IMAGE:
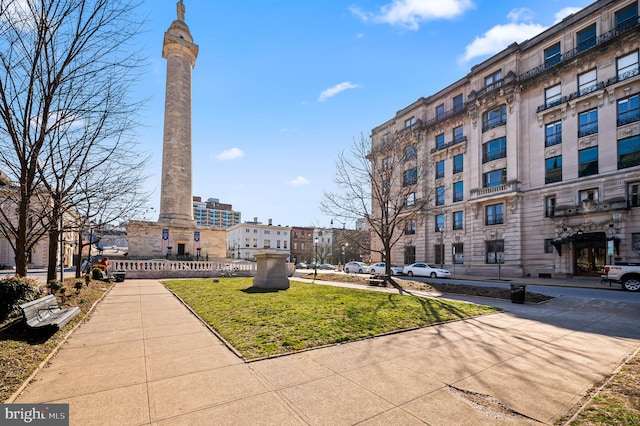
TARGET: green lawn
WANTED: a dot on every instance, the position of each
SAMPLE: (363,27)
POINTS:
(263,323)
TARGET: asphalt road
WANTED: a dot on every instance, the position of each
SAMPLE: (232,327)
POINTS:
(613,293)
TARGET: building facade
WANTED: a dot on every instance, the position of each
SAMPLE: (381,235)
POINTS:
(536,154)
(246,239)
(213,213)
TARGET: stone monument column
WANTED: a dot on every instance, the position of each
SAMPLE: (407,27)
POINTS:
(176,203)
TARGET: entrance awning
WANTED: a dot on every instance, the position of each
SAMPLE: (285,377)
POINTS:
(582,237)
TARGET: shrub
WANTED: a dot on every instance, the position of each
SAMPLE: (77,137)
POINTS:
(78,286)
(54,286)
(13,292)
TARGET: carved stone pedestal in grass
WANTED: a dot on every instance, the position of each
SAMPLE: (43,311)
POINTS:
(272,271)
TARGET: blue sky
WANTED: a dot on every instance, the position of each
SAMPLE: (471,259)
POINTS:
(280,87)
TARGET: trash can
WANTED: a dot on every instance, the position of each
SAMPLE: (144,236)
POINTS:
(517,293)
(118,276)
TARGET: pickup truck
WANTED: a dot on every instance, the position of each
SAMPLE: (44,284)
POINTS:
(628,275)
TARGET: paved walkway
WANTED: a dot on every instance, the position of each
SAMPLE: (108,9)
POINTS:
(143,358)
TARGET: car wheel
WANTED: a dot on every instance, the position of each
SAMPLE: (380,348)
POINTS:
(631,283)
(346,270)
(434,275)
(410,273)
(360,271)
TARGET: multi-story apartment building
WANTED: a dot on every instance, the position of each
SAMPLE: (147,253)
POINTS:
(212,213)
(536,154)
(246,239)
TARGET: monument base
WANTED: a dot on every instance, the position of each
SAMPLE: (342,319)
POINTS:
(272,271)
(157,239)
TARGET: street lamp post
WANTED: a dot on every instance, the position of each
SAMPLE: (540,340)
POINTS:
(441,229)
(343,223)
(315,260)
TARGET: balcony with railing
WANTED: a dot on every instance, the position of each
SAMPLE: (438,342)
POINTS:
(456,141)
(628,117)
(455,111)
(511,186)
(567,56)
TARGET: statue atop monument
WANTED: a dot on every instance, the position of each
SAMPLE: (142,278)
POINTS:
(180,8)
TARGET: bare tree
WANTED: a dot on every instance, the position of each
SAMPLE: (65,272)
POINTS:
(66,70)
(383,183)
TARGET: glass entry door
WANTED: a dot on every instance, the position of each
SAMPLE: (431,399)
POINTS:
(590,257)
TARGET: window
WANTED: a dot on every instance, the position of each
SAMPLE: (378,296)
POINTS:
(553,96)
(411,199)
(409,123)
(553,133)
(440,169)
(494,80)
(587,82)
(586,38)
(439,195)
(458,163)
(458,220)
(627,66)
(494,178)
(591,194)
(409,255)
(548,245)
(494,214)
(628,152)
(494,149)
(588,161)
(386,163)
(458,134)
(550,206)
(494,118)
(255,242)
(438,249)
(440,141)
(278,244)
(440,111)
(628,110)
(627,17)
(588,122)
(495,251)
(439,223)
(458,104)
(411,152)
(246,242)
(633,194)
(285,244)
(458,191)
(458,253)
(553,169)
(410,177)
(409,227)
(552,55)
(386,185)
(267,243)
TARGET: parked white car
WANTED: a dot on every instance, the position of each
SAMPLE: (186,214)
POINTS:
(426,270)
(356,268)
(379,269)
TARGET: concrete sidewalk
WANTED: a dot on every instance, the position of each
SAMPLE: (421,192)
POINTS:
(143,358)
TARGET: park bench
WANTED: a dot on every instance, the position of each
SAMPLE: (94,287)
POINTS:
(377,279)
(45,312)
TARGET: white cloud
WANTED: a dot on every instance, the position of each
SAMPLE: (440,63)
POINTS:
(565,12)
(332,91)
(501,36)
(230,154)
(299,181)
(410,13)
